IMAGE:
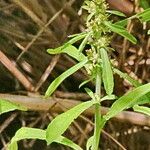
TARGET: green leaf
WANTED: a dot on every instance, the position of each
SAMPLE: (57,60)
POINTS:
(125,76)
(89,143)
(142,100)
(127,100)
(60,124)
(108,97)
(107,73)
(90,93)
(122,31)
(142,109)
(6,106)
(78,36)
(68,49)
(64,141)
(145,15)
(145,4)
(115,12)
(148,32)
(26,133)
(85,82)
(122,23)
(33,133)
(84,42)
(62,77)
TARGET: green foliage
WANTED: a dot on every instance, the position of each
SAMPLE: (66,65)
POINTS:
(115,12)
(59,125)
(6,106)
(145,4)
(107,73)
(142,109)
(127,100)
(121,31)
(108,97)
(62,77)
(33,133)
(64,141)
(68,49)
(89,143)
(133,82)
(142,100)
(99,68)
(144,16)
(85,82)
(26,133)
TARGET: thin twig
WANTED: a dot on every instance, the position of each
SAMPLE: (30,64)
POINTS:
(7,122)
(47,72)
(13,69)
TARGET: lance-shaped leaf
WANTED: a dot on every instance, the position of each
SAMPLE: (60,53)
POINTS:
(107,73)
(62,77)
(64,141)
(142,109)
(84,42)
(26,133)
(68,49)
(122,23)
(59,125)
(142,100)
(33,133)
(145,15)
(76,37)
(115,12)
(125,76)
(6,106)
(127,100)
(121,31)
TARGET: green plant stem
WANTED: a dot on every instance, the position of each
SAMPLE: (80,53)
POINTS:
(97,128)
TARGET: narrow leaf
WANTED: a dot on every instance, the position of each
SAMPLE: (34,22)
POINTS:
(115,12)
(68,49)
(122,23)
(59,125)
(26,133)
(127,100)
(6,106)
(84,42)
(107,73)
(33,133)
(133,82)
(85,82)
(142,100)
(64,141)
(145,15)
(90,93)
(108,97)
(89,143)
(76,37)
(122,31)
(142,109)
(62,77)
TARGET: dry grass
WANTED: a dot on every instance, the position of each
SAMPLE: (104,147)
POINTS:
(27,29)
